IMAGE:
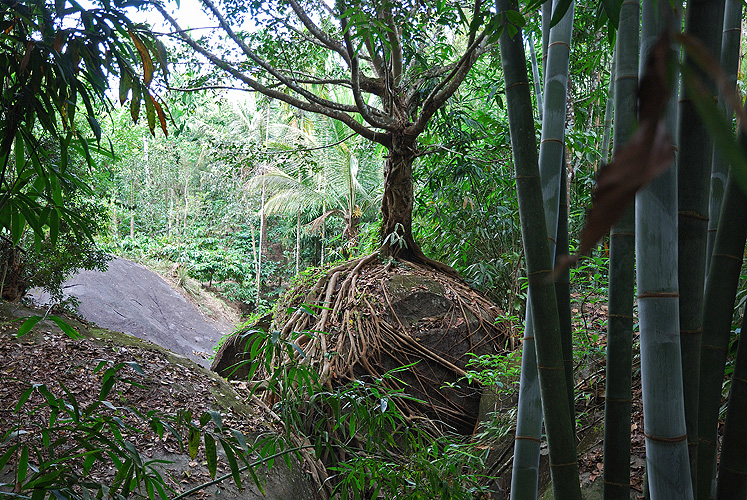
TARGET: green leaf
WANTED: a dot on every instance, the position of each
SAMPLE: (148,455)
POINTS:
(194,442)
(23,464)
(65,327)
(125,84)
(28,325)
(235,472)
(24,397)
(10,452)
(107,383)
(560,11)
(135,102)
(211,455)
(215,416)
(612,8)
(17,225)
(150,112)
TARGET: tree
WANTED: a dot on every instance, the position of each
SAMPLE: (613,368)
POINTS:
(397,59)
(318,172)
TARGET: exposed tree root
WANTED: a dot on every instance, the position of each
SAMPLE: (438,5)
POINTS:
(360,304)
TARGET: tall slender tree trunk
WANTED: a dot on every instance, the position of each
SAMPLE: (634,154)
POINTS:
(718,307)
(730,52)
(732,475)
(551,157)
(538,82)
(561,442)
(618,396)
(704,21)
(667,462)
(608,110)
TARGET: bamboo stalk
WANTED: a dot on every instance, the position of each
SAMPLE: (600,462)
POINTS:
(618,396)
(667,460)
(563,465)
(718,304)
(704,21)
(730,51)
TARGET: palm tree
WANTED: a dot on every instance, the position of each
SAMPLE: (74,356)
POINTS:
(317,171)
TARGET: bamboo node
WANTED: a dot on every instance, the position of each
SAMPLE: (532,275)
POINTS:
(689,214)
(659,295)
(659,439)
(527,438)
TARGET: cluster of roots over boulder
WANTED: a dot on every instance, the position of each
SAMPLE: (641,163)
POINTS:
(372,315)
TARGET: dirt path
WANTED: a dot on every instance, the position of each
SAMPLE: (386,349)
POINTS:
(133,299)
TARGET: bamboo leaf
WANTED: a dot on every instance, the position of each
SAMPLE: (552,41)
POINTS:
(28,325)
(125,84)
(161,117)
(23,464)
(612,8)
(65,327)
(560,9)
(211,455)
(150,112)
(194,442)
(231,456)
(135,102)
(144,57)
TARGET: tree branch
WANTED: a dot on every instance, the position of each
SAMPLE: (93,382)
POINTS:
(365,110)
(449,84)
(313,107)
(320,35)
(310,96)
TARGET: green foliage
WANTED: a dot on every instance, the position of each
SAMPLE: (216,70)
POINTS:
(57,446)
(385,453)
(47,263)
(498,371)
(54,61)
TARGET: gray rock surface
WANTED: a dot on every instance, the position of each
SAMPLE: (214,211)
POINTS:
(132,299)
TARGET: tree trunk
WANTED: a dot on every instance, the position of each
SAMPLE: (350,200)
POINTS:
(618,395)
(529,418)
(732,475)
(730,48)
(561,442)
(704,21)
(396,206)
(718,308)
(667,460)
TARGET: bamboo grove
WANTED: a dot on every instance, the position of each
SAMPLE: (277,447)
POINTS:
(684,230)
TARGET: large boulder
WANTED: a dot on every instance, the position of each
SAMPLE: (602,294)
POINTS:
(381,316)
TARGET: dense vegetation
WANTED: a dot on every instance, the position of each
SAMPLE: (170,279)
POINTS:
(296,134)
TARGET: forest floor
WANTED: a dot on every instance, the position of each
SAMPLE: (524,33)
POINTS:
(168,384)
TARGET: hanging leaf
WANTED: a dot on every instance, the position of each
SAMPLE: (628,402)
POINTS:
(17,225)
(232,462)
(559,11)
(211,455)
(612,8)
(144,57)
(135,102)
(194,442)
(125,84)
(161,117)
